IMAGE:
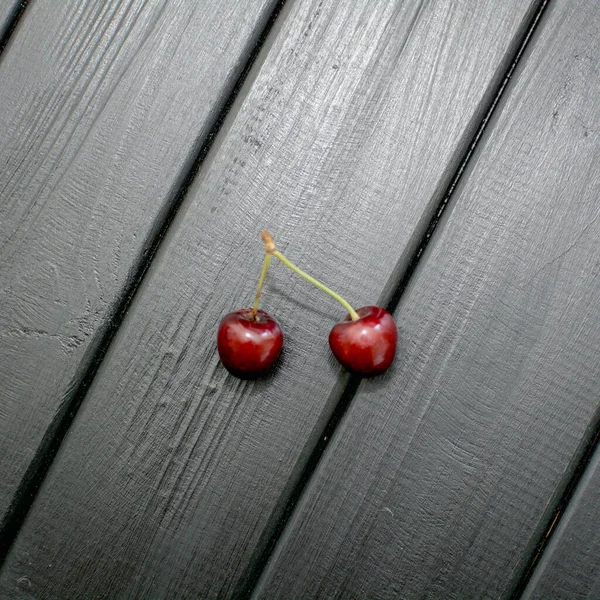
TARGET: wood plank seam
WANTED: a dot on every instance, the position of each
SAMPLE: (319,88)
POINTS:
(390,298)
(586,454)
(210,484)
(373,554)
(11,24)
(50,444)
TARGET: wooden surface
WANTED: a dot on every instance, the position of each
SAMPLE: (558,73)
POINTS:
(343,142)
(7,12)
(443,477)
(569,566)
(103,109)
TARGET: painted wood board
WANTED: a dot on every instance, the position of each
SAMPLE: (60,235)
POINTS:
(569,566)
(442,478)
(7,10)
(342,142)
(103,109)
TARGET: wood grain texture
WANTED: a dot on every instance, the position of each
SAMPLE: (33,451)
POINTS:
(103,108)
(570,567)
(343,143)
(443,476)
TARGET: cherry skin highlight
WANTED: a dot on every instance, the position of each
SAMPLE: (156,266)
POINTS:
(366,346)
(249,347)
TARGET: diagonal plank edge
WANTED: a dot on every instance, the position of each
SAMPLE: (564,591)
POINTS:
(10,13)
(389,298)
(97,136)
(77,387)
(568,567)
(414,250)
(440,482)
(172,469)
(565,506)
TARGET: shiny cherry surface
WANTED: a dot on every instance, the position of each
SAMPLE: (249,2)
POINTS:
(248,348)
(366,346)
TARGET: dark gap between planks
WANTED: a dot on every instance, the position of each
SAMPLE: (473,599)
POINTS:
(390,299)
(11,24)
(35,474)
(581,464)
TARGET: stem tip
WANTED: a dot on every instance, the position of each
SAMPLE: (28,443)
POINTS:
(267,238)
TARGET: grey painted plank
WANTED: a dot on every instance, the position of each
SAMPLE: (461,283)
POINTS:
(570,565)
(442,478)
(343,144)
(7,10)
(103,107)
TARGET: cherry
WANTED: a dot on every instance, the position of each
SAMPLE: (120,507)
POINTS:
(365,342)
(249,342)
(367,345)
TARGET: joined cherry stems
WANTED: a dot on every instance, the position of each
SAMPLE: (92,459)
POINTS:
(271,250)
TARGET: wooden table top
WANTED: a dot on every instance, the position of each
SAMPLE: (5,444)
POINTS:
(440,158)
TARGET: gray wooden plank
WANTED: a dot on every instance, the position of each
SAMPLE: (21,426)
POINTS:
(103,108)
(8,8)
(442,478)
(346,138)
(570,565)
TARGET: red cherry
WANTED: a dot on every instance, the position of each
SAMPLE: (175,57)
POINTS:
(366,346)
(249,347)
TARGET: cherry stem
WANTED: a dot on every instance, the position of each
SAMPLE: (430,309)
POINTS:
(272,250)
(261,283)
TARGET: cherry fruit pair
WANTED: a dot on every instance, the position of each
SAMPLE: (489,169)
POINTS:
(250,340)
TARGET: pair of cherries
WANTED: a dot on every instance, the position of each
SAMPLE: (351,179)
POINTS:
(249,340)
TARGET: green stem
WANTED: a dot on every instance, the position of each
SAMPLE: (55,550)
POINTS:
(353,314)
(261,282)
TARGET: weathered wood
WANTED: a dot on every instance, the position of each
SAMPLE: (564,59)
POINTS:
(171,477)
(570,565)
(103,108)
(443,477)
